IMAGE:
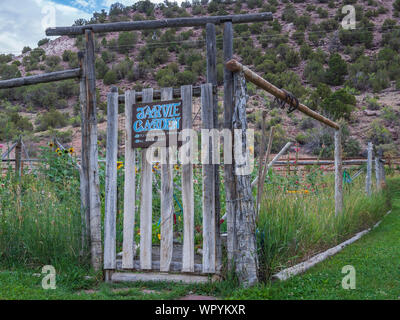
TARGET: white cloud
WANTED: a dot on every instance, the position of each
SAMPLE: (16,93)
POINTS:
(21,27)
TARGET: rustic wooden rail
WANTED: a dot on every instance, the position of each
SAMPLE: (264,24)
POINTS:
(251,76)
(176,93)
(41,78)
(158,24)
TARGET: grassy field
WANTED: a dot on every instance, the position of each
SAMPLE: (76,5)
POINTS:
(40,224)
(375,258)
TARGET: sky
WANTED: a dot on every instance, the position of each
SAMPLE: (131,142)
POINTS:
(23,22)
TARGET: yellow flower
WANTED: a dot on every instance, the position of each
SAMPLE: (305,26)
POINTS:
(120,165)
(159,236)
(51,145)
(58,150)
(71,150)
(177,167)
(60,154)
(251,148)
(136,170)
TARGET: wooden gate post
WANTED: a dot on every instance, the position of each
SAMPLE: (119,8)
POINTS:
(93,166)
(338,173)
(369,170)
(245,255)
(211,41)
(229,169)
(18,158)
(84,172)
(111,184)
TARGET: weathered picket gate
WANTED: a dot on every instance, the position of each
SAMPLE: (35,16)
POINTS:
(169,256)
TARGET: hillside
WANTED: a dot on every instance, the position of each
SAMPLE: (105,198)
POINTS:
(352,75)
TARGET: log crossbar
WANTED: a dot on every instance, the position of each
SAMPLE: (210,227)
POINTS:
(177,94)
(158,24)
(41,78)
(251,76)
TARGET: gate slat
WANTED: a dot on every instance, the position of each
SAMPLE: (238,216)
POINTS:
(167,204)
(146,224)
(111,182)
(209,252)
(187,186)
(129,188)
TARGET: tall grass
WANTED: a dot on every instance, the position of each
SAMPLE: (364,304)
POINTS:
(294,226)
(40,219)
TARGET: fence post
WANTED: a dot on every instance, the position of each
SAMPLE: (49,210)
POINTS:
(378,172)
(245,257)
(229,169)
(264,169)
(18,158)
(93,166)
(211,41)
(111,184)
(382,174)
(84,172)
(369,170)
(338,173)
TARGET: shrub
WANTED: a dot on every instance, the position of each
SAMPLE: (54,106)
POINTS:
(123,68)
(289,13)
(67,89)
(340,104)
(160,56)
(43,42)
(126,41)
(52,61)
(26,49)
(101,68)
(363,34)
(110,78)
(12,124)
(314,72)
(379,134)
(337,70)
(372,104)
(396,5)
(8,71)
(305,51)
(379,80)
(52,119)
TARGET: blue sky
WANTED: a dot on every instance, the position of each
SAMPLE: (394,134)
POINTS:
(23,22)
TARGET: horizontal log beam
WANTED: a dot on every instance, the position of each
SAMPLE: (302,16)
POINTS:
(157,94)
(41,78)
(251,76)
(158,24)
(321,163)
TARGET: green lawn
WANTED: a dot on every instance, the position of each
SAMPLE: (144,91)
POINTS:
(376,258)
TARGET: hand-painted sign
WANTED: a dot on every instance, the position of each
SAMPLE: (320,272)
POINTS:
(148,118)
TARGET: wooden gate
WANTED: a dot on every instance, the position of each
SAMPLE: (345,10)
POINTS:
(171,255)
